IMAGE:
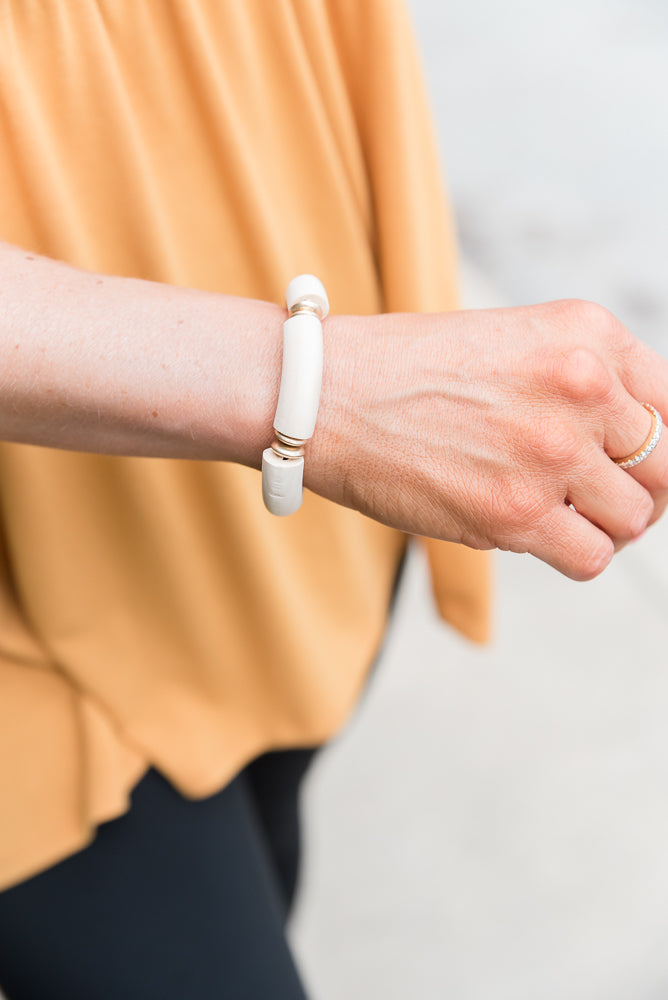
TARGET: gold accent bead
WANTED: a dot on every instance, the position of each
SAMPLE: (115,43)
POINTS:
(306,306)
(286,450)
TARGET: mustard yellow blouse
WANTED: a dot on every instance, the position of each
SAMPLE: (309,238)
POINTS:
(151,611)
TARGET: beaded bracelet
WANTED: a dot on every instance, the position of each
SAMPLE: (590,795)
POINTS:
(299,396)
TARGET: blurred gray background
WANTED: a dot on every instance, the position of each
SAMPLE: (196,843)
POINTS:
(493,825)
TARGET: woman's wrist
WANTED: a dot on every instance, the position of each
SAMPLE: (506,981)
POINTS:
(362,406)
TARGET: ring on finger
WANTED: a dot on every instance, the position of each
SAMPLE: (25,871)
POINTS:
(648,445)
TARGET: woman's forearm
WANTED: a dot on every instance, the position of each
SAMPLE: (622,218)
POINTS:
(495,428)
(92,362)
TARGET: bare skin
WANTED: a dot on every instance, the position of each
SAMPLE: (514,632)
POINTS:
(483,426)
(116,365)
(478,427)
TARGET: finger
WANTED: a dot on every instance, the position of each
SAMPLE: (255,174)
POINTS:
(652,471)
(644,374)
(627,424)
(660,505)
(611,499)
(572,544)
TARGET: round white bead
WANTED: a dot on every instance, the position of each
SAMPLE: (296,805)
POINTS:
(307,286)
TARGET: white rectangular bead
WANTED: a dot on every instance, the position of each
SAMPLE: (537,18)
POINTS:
(301,377)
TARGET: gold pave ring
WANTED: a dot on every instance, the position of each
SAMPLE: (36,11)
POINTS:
(648,445)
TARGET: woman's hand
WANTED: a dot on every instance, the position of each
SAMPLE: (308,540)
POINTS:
(483,427)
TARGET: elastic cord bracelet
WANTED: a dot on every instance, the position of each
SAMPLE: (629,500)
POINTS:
(299,396)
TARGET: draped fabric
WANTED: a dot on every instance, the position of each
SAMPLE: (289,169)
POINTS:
(151,611)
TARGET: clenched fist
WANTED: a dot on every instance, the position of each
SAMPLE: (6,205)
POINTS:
(495,428)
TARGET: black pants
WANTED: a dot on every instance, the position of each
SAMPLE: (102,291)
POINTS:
(175,900)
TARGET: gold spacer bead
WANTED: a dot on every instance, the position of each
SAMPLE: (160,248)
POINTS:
(291,442)
(286,450)
(306,306)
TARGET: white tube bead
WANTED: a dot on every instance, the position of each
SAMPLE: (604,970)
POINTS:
(282,480)
(301,377)
(309,288)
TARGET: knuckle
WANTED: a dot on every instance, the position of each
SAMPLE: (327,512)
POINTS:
(595,325)
(661,478)
(629,528)
(582,315)
(581,376)
(517,507)
(589,316)
(600,326)
(659,510)
(558,445)
(639,517)
(553,443)
(591,563)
